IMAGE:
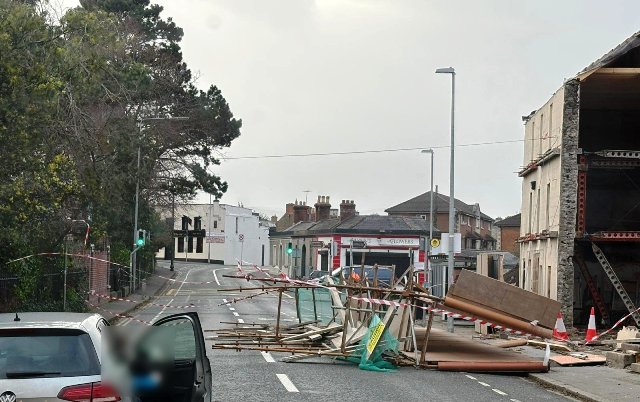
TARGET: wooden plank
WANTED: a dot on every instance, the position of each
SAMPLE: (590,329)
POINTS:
(588,360)
(505,298)
(329,329)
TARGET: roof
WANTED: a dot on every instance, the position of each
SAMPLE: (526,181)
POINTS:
(47,320)
(361,224)
(509,221)
(628,44)
(421,205)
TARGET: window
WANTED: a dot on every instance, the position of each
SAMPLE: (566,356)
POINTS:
(547,206)
(538,213)
(181,244)
(215,224)
(530,211)
(541,134)
(550,130)
(197,223)
(533,135)
(478,222)
(199,244)
(190,244)
(50,352)
(236,225)
(464,220)
(423,217)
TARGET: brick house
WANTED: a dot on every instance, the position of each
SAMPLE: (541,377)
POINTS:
(508,232)
(474,226)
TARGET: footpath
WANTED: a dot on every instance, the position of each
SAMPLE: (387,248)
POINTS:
(585,383)
(154,285)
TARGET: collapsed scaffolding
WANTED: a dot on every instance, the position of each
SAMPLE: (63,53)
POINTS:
(380,326)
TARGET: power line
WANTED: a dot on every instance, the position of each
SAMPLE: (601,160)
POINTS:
(371,151)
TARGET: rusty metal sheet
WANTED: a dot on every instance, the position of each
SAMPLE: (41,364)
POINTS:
(504,298)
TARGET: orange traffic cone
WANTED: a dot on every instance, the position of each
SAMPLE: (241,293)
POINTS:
(591,328)
(560,331)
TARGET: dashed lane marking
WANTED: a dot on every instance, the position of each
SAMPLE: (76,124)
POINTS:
(236,314)
(484,384)
(267,356)
(514,400)
(468,376)
(225,301)
(232,309)
(240,321)
(497,391)
(287,383)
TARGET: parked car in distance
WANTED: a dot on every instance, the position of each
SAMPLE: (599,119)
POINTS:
(384,276)
(58,357)
(316,275)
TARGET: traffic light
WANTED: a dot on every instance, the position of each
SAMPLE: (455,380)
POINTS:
(142,238)
(289,248)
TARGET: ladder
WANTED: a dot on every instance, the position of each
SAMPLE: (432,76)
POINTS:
(608,269)
(597,298)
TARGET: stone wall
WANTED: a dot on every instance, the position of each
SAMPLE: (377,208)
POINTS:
(568,197)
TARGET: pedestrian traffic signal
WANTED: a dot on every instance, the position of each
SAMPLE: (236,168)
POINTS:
(289,248)
(142,238)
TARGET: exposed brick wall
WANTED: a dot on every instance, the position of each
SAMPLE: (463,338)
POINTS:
(508,238)
(568,197)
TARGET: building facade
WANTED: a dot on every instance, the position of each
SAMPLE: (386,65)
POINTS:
(232,233)
(581,186)
(325,243)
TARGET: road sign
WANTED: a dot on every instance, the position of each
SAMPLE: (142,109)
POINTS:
(435,243)
(359,244)
(215,239)
(241,237)
(318,244)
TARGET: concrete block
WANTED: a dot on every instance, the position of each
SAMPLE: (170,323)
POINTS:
(631,347)
(619,360)
(635,367)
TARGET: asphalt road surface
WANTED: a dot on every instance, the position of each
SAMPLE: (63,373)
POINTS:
(257,376)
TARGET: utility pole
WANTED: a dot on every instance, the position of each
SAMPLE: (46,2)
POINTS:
(209,233)
(427,261)
(450,262)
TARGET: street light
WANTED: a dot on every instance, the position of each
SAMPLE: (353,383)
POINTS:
(450,264)
(427,264)
(132,258)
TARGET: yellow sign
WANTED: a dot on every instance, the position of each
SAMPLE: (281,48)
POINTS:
(375,337)
(435,243)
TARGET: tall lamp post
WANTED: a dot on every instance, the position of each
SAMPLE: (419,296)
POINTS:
(427,263)
(450,259)
(135,223)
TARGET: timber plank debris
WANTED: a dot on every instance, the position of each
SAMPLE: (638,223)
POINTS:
(379,327)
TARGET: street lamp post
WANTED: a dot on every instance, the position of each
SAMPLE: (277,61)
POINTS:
(173,227)
(450,259)
(427,263)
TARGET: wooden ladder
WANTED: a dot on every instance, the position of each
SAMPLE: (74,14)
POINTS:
(608,269)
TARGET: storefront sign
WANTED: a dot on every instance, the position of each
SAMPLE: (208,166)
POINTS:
(383,241)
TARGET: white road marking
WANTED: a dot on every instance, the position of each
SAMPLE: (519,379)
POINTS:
(287,383)
(236,314)
(171,301)
(514,400)
(484,384)
(240,321)
(471,377)
(267,356)
(225,301)
(497,391)
(232,309)
(216,277)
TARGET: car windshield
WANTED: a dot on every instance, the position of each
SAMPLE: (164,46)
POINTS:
(44,353)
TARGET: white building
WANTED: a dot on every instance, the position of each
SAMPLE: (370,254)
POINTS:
(232,233)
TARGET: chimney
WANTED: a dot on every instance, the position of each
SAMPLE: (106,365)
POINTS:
(289,208)
(300,212)
(274,219)
(323,208)
(347,210)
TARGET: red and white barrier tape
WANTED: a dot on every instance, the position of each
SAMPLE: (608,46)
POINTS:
(439,311)
(118,315)
(620,321)
(138,301)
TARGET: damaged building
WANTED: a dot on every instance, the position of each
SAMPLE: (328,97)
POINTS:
(580,224)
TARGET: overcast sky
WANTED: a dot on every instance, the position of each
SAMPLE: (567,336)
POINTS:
(311,76)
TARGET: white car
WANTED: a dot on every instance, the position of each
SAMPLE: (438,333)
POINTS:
(57,357)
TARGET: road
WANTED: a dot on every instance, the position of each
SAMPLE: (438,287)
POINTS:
(257,376)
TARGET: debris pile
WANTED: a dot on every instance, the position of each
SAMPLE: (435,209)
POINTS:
(354,317)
